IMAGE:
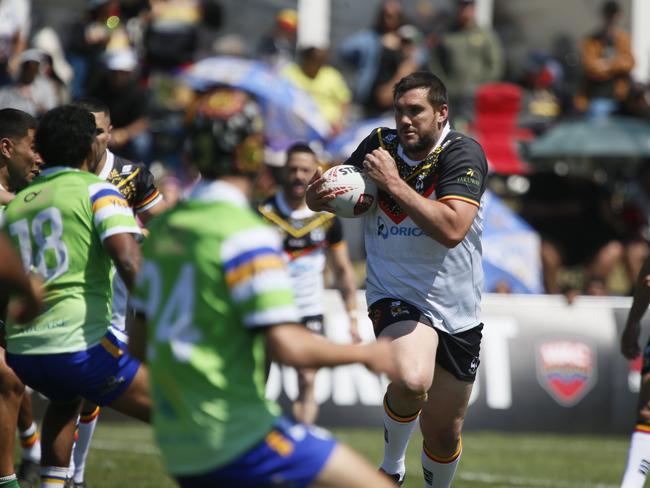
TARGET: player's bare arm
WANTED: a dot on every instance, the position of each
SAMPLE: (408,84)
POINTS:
(447,222)
(125,253)
(136,328)
(630,338)
(293,345)
(344,274)
(150,213)
(13,280)
(6,197)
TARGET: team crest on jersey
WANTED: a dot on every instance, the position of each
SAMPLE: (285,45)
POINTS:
(566,370)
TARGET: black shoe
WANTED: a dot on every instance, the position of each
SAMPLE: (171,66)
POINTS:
(395,477)
(29,472)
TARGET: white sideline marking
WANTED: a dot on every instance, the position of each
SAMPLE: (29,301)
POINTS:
(527,482)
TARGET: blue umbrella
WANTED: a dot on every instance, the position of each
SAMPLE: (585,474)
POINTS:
(341,146)
(290,113)
(511,249)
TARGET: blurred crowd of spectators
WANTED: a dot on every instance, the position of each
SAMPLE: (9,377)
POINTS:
(128,53)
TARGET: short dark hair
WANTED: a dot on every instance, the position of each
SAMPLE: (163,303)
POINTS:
(14,123)
(436,90)
(65,136)
(300,147)
(92,105)
(610,8)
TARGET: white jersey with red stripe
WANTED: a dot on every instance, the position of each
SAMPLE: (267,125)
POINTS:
(405,263)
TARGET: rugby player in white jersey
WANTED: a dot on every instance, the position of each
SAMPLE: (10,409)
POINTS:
(308,239)
(424,274)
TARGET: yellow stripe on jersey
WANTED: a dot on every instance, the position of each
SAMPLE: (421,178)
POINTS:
(458,197)
(381,140)
(291,230)
(248,269)
(148,200)
(109,200)
(642,428)
(129,178)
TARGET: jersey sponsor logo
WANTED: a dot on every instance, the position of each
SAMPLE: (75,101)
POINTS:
(385,231)
(470,181)
(126,169)
(566,370)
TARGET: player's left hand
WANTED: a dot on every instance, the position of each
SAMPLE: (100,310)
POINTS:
(630,340)
(315,196)
(381,167)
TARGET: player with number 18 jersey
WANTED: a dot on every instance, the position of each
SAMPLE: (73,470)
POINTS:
(58,224)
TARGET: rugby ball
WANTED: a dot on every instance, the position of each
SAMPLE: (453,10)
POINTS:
(355,192)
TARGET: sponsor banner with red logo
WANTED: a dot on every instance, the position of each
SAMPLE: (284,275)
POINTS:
(545,366)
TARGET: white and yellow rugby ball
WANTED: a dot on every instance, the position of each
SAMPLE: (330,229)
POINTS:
(355,192)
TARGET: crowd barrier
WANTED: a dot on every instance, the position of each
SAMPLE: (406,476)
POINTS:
(546,366)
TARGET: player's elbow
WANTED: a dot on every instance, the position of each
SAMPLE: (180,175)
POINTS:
(289,344)
(450,240)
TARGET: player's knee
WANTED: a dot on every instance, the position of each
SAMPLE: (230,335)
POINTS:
(10,385)
(442,441)
(414,383)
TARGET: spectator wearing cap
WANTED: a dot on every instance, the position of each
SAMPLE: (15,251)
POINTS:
(279,46)
(607,62)
(55,66)
(465,57)
(128,105)
(32,92)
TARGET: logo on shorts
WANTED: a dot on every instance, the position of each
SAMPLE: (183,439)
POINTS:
(473,366)
(566,370)
(397,309)
(111,384)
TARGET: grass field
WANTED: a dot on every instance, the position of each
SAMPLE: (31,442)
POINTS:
(124,455)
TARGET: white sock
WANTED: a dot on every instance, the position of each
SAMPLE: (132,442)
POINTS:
(397,433)
(31,443)
(439,472)
(86,428)
(638,458)
(53,477)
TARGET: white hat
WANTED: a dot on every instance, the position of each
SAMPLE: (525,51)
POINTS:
(122,60)
(48,42)
(31,55)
